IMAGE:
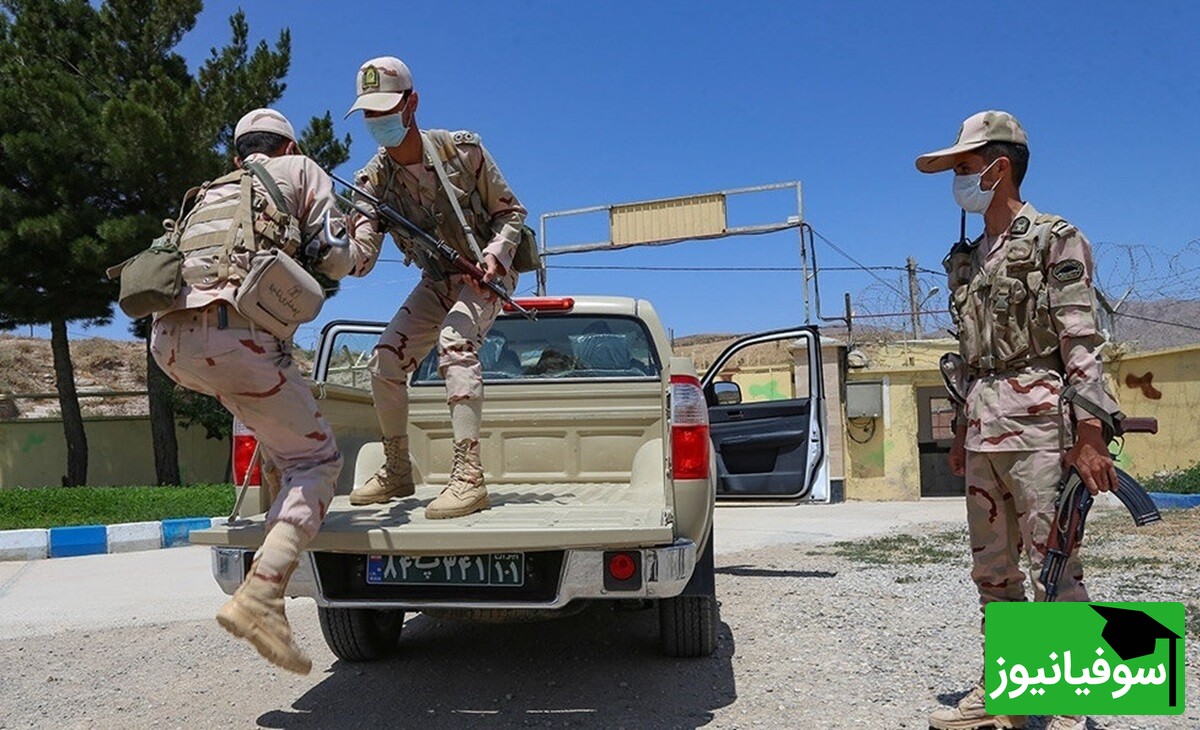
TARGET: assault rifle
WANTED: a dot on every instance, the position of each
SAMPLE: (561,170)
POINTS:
(439,251)
(1074,500)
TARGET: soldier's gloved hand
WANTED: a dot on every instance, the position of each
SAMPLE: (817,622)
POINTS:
(1091,459)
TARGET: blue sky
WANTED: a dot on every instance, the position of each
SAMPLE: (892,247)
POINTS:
(591,103)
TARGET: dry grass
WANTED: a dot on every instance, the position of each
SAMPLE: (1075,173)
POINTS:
(27,366)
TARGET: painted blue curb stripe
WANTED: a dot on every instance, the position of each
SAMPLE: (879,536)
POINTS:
(178,532)
(82,540)
(1167,500)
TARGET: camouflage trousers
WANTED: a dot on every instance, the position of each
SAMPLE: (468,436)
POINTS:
(1010,510)
(252,374)
(450,314)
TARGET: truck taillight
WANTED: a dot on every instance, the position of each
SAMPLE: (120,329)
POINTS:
(244,443)
(689,429)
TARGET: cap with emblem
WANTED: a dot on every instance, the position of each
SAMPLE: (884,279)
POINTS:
(380,84)
(264,120)
(976,131)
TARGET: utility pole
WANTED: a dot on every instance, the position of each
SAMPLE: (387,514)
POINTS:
(914,297)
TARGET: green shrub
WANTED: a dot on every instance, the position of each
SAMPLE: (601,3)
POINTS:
(1180,482)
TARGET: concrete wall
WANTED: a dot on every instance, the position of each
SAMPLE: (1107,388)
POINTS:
(1164,384)
(33,453)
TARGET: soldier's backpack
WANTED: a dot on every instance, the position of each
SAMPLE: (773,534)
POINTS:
(273,291)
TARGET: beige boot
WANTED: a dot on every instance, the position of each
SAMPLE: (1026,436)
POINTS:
(970,714)
(255,613)
(466,493)
(394,480)
(1067,722)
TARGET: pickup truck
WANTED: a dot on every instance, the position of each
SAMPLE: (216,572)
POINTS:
(604,455)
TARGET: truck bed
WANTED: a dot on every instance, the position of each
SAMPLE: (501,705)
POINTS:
(522,517)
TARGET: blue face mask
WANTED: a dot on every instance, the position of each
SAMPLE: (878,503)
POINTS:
(388,130)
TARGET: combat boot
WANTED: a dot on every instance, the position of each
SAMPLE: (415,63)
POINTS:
(255,613)
(969,714)
(1067,722)
(394,480)
(465,493)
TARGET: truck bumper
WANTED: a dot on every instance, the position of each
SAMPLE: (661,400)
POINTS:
(665,571)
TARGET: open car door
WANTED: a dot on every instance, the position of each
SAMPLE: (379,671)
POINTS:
(769,440)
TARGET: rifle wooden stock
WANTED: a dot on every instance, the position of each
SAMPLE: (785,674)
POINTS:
(1131,424)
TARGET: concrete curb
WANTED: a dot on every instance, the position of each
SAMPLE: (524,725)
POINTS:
(1167,500)
(63,542)
(24,544)
(69,542)
(129,537)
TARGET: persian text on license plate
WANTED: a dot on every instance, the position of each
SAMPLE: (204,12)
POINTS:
(496,569)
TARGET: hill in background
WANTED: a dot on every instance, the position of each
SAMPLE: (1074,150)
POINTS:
(107,366)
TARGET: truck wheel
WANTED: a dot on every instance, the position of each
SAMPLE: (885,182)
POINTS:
(361,634)
(687,624)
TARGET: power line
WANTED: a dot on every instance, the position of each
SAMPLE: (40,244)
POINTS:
(860,264)
(786,269)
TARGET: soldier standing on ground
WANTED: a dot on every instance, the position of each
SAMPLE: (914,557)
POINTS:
(203,343)
(1023,304)
(449,310)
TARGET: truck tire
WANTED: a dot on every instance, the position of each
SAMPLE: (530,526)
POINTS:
(687,623)
(361,634)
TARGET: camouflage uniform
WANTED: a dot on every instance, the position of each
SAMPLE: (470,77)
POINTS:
(249,371)
(1025,313)
(442,309)
(203,343)
(1024,307)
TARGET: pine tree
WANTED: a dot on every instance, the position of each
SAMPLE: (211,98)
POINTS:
(102,129)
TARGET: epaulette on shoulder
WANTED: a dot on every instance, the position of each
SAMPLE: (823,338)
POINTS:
(373,169)
(1059,226)
(464,136)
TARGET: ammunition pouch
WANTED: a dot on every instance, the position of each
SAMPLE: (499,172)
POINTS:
(278,295)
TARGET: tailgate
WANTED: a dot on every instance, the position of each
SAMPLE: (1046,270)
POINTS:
(521,518)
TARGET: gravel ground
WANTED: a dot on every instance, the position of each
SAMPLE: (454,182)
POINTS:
(874,633)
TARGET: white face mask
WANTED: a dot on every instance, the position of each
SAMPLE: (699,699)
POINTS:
(968,193)
(388,130)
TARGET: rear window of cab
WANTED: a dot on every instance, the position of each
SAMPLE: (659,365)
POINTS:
(593,347)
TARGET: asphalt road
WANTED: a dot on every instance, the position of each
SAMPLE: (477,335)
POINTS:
(128,640)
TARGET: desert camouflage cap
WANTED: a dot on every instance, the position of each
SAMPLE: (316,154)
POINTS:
(380,84)
(264,120)
(976,131)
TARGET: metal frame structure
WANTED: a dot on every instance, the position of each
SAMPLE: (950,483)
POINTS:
(796,221)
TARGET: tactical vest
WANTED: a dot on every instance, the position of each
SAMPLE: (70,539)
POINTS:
(441,221)
(1003,315)
(235,219)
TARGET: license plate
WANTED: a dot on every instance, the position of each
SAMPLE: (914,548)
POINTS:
(496,569)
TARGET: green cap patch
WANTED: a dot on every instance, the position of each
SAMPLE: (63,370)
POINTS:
(370,78)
